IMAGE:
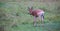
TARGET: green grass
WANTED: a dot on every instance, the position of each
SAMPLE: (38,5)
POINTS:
(29,27)
(24,21)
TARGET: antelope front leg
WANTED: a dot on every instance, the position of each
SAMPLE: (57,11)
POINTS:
(35,21)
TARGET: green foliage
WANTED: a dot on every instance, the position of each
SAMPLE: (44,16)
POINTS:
(17,13)
(2,4)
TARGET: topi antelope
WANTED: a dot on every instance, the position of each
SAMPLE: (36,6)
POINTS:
(36,13)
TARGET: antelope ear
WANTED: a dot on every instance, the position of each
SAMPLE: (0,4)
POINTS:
(28,8)
(32,7)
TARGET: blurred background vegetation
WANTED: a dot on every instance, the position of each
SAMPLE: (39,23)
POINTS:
(15,12)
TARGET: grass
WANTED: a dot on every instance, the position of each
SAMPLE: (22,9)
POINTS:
(24,21)
(29,27)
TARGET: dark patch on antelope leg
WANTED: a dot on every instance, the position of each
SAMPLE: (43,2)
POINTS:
(36,16)
(42,16)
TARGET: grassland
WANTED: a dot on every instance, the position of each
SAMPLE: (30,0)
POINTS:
(17,13)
